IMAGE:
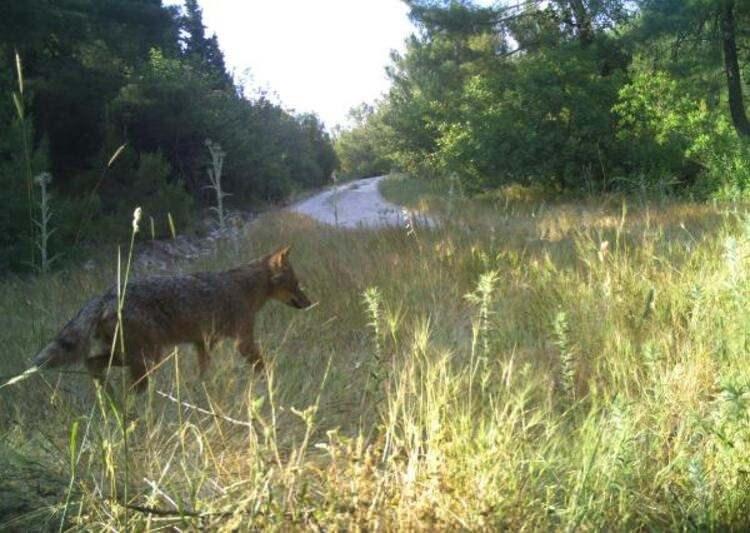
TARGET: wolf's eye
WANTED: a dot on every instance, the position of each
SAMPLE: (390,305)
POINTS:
(65,344)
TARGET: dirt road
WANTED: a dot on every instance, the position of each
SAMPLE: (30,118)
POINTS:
(351,205)
(354,204)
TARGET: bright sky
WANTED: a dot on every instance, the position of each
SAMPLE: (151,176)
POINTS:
(324,56)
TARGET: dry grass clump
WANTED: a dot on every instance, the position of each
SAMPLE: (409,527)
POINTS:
(522,365)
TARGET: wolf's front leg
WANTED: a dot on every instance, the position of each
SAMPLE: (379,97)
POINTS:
(97,368)
(247,347)
(250,351)
(202,348)
(139,371)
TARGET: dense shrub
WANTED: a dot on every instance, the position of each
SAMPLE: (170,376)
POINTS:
(594,96)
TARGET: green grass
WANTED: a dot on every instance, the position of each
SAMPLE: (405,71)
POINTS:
(507,369)
(409,192)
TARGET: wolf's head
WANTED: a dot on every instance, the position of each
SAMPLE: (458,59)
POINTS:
(64,349)
(284,284)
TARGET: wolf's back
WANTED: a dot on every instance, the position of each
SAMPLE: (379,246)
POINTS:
(72,343)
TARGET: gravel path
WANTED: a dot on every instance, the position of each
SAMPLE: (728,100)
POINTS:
(352,205)
(355,204)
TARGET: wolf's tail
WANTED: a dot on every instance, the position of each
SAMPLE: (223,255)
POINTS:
(73,341)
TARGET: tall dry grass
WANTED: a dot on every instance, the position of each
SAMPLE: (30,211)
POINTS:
(527,364)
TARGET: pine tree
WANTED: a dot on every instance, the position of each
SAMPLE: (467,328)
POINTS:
(205,51)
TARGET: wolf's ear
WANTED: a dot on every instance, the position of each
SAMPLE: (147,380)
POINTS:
(278,259)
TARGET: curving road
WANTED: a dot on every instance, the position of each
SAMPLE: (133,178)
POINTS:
(352,205)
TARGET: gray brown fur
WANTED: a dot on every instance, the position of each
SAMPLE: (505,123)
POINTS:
(161,312)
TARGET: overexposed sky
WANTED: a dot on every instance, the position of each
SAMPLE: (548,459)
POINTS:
(324,56)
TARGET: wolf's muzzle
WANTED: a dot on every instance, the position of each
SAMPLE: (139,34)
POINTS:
(299,304)
(300,300)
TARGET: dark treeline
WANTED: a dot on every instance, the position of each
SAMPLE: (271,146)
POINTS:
(100,74)
(595,95)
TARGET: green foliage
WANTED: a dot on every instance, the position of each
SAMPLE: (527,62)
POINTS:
(660,124)
(463,102)
(670,133)
(202,51)
(171,106)
(363,149)
(158,197)
(16,234)
(165,106)
(103,74)
(564,95)
(19,206)
(143,180)
(594,96)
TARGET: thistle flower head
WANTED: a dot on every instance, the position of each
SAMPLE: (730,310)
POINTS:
(43,179)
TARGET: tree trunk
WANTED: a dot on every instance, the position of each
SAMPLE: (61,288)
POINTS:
(583,22)
(732,69)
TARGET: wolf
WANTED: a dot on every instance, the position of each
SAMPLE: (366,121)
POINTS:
(164,311)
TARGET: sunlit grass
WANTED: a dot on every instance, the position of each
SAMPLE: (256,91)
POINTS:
(527,364)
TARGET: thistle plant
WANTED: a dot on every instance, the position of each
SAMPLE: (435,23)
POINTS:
(373,300)
(483,297)
(409,222)
(214,176)
(567,357)
(374,303)
(335,198)
(43,222)
(410,225)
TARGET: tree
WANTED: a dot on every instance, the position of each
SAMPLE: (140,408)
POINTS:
(732,68)
(363,149)
(144,81)
(75,55)
(203,50)
(709,26)
(518,93)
